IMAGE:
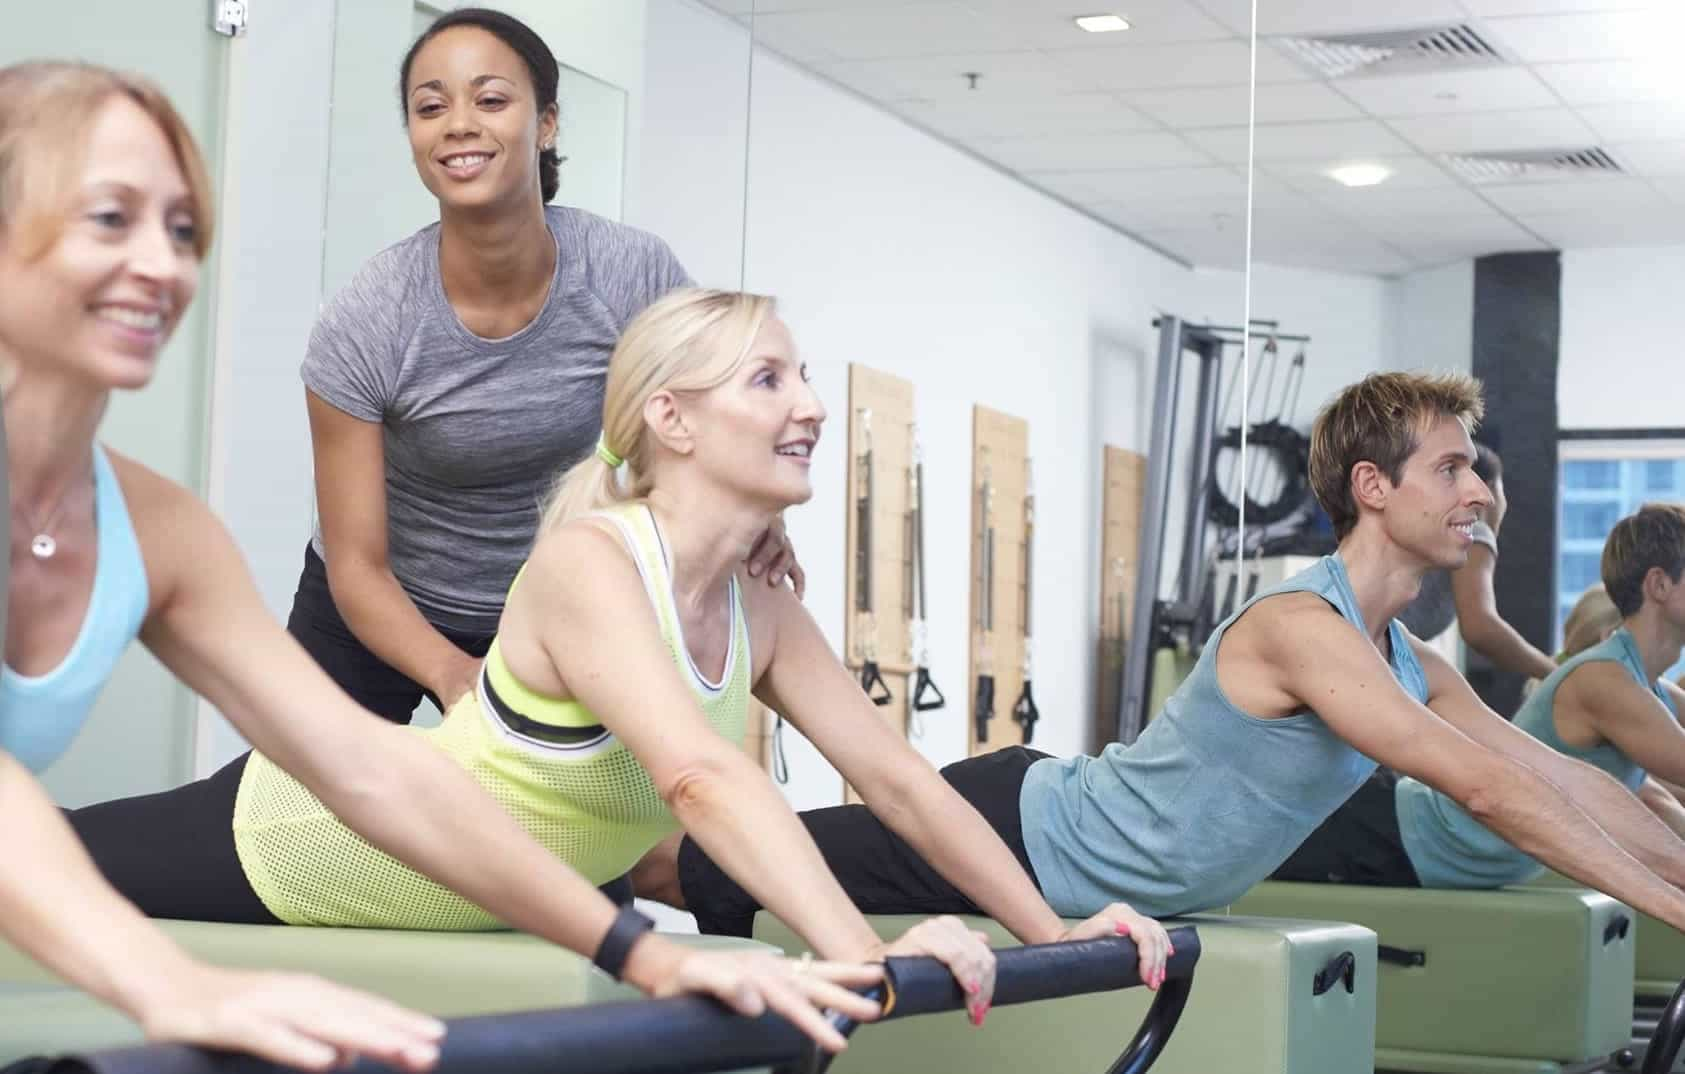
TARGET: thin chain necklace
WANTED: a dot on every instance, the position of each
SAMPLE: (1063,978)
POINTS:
(43,546)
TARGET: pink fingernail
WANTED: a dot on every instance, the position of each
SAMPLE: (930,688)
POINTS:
(1122,929)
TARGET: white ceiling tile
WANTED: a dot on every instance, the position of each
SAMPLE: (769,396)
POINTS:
(1637,122)
(1001,77)
(773,7)
(1486,89)
(1604,35)
(874,32)
(1475,132)
(1051,24)
(1312,174)
(1671,189)
(1331,16)
(1542,7)
(1360,203)
(1427,228)
(1013,115)
(1228,106)
(1287,141)
(1592,197)
(1652,158)
(1613,80)
(1090,152)
(1147,67)
(1162,183)
(1203,247)
(1575,229)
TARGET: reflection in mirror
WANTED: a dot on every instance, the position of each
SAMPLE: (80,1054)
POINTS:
(1495,187)
(994,203)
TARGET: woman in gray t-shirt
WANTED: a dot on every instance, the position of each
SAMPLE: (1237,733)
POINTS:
(458,372)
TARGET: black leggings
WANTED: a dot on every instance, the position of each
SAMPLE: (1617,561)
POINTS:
(1359,844)
(374,684)
(876,867)
(172,853)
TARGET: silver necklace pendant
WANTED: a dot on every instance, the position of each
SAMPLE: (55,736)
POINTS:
(43,546)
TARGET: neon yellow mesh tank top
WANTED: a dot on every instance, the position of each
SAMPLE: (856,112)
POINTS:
(567,780)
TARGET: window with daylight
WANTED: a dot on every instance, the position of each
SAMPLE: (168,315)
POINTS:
(1601,481)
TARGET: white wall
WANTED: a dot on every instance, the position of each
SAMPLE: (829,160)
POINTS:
(1620,350)
(889,248)
(1430,319)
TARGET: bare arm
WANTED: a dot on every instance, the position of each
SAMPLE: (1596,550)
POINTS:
(1661,801)
(1483,628)
(1593,792)
(1325,664)
(805,682)
(351,500)
(209,626)
(581,597)
(56,908)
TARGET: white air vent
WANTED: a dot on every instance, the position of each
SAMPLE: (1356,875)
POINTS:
(1525,164)
(1394,52)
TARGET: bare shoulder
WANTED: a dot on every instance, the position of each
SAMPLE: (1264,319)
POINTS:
(176,530)
(1257,651)
(766,608)
(1603,688)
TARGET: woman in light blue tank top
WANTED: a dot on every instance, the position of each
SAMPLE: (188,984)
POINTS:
(105,550)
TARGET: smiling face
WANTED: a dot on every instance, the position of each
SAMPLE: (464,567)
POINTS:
(475,125)
(104,297)
(1432,509)
(754,434)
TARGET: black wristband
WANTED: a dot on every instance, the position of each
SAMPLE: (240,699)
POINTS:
(628,925)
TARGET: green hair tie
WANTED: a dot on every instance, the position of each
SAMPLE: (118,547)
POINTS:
(614,461)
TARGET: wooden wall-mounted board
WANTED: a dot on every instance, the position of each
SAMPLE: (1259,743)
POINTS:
(1124,477)
(999,480)
(889,402)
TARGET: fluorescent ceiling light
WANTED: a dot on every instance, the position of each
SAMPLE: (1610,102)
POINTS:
(1361,174)
(1102,24)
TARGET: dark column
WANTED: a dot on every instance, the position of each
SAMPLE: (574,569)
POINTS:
(1517,322)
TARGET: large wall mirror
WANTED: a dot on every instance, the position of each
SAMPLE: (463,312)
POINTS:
(1495,187)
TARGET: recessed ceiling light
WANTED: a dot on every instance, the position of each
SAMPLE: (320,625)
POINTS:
(1361,174)
(1102,24)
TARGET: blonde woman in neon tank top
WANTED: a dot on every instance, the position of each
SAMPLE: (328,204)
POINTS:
(105,214)
(612,703)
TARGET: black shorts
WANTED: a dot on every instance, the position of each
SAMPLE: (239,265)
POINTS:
(878,870)
(1359,844)
(374,684)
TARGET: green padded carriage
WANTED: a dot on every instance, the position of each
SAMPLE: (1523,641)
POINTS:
(1522,979)
(1257,1007)
(449,974)
(1658,962)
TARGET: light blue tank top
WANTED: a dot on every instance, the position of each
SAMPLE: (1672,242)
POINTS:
(1209,800)
(1449,848)
(40,714)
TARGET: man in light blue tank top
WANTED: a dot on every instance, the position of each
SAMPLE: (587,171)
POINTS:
(1291,706)
(1606,706)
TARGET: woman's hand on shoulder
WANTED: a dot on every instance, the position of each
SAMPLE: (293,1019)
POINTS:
(774,557)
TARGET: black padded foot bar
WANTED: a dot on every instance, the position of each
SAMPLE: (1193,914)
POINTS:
(691,1035)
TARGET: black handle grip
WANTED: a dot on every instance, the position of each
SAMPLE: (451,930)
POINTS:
(984,710)
(1025,713)
(923,685)
(1341,969)
(871,680)
(1617,928)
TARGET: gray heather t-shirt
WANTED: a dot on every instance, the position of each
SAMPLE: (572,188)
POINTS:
(477,429)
